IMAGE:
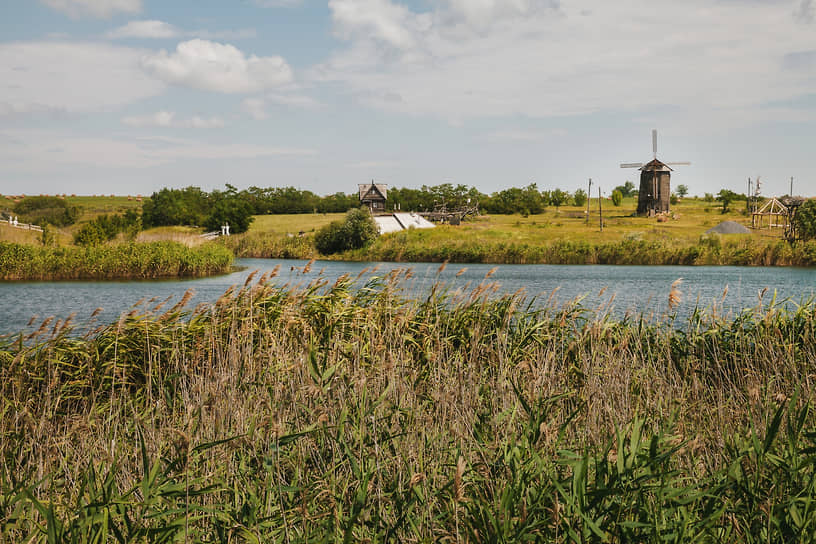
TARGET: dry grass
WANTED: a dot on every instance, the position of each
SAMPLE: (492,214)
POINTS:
(346,413)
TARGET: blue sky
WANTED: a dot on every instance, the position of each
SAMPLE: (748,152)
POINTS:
(128,96)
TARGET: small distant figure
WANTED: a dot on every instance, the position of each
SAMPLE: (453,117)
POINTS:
(227,228)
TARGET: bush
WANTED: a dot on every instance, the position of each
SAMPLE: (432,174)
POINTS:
(617,197)
(233,211)
(42,210)
(805,220)
(580,197)
(357,230)
(674,199)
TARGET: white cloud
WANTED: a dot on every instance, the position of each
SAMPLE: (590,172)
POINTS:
(153,29)
(255,107)
(41,150)
(94,8)
(475,58)
(145,29)
(168,119)
(39,77)
(213,66)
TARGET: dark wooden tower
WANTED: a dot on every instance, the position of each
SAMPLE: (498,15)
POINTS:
(654,193)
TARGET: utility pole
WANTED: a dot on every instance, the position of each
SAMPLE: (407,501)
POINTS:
(750,197)
(600,208)
(589,199)
(791,193)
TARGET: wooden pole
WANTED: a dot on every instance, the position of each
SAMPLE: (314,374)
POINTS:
(589,199)
(600,208)
(791,193)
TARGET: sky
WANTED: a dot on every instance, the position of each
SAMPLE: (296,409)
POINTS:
(128,96)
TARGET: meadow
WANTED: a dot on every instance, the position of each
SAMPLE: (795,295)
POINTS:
(557,236)
(332,413)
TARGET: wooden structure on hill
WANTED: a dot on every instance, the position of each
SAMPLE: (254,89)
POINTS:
(654,196)
(373,195)
(772,214)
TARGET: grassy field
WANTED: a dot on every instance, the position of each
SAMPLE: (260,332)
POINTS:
(555,236)
(359,416)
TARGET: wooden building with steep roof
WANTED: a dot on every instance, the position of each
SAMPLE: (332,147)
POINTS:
(373,195)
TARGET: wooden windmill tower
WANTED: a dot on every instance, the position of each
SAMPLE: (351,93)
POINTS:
(655,182)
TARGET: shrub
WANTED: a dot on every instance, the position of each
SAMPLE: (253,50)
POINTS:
(233,211)
(46,210)
(580,197)
(805,220)
(617,197)
(357,230)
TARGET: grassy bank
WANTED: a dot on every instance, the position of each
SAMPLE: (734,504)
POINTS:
(356,415)
(119,261)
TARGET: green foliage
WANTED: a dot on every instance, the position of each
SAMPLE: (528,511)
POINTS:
(674,199)
(558,197)
(230,210)
(708,197)
(726,196)
(105,227)
(167,207)
(41,210)
(356,231)
(617,197)
(682,190)
(122,261)
(580,197)
(805,220)
(48,237)
(627,189)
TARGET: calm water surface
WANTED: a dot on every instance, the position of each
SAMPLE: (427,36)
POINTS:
(637,289)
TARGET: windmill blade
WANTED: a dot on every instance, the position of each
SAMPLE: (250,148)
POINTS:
(631,164)
(681,163)
(654,142)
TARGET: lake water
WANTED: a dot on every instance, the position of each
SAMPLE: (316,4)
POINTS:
(636,289)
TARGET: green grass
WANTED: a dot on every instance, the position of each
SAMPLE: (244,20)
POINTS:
(281,415)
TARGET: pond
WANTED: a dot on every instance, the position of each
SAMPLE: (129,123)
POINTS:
(634,289)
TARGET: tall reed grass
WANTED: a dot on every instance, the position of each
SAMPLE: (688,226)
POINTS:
(119,261)
(343,411)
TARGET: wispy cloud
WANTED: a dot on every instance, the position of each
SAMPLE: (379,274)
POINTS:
(154,29)
(94,8)
(168,119)
(59,76)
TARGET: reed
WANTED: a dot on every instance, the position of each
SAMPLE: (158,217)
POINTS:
(119,261)
(344,410)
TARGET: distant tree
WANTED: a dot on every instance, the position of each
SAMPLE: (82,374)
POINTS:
(166,207)
(357,230)
(580,197)
(42,210)
(674,199)
(627,189)
(90,234)
(726,197)
(617,197)
(558,197)
(682,190)
(708,197)
(805,220)
(234,211)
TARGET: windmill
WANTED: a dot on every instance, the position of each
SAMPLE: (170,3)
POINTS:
(655,186)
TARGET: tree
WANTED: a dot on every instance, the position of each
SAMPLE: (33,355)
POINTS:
(357,230)
(626,190)
(580,197)
(681,190)
(617,197)
(232,211)
(805,220)
(43,210)
(726,196)
(558,197)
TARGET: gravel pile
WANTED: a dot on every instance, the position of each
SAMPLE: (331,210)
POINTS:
(728,227)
